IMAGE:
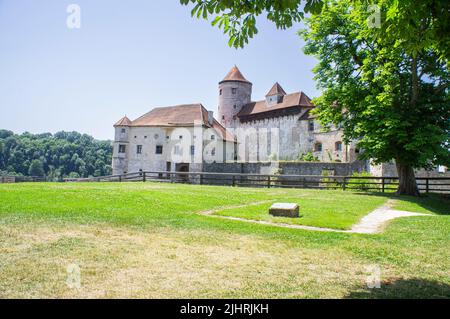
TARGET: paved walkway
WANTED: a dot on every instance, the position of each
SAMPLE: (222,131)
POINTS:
(372,223)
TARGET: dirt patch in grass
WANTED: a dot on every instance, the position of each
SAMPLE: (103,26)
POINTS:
(125,262)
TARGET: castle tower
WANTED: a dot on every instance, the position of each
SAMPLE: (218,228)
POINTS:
(121,145)
(234,92)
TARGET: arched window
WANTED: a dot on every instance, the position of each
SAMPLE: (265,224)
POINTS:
(318,147)
(338,146)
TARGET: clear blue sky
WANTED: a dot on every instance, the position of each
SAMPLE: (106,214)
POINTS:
(128,57)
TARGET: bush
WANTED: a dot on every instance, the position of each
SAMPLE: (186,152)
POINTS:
(329,182)
(308,157)
(362,184)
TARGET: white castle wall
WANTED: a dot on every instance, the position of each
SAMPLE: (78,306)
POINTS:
(168,138)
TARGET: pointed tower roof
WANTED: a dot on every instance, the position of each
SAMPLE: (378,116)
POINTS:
(276,90)
(235,75)
(124,121)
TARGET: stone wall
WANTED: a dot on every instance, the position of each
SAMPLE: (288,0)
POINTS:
(287,168)
(277,168)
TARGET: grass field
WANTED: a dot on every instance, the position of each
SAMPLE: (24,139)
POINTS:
(148,240)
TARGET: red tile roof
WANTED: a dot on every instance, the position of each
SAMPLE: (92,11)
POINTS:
(181,115)
(276,90)
(235,75)
(124,121)
(293,100)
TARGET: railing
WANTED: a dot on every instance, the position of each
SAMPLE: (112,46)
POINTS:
(361,183)
(21,179)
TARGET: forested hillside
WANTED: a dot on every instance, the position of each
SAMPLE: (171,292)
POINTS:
(63,154)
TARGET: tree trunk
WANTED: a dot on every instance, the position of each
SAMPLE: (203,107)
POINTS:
(407,181)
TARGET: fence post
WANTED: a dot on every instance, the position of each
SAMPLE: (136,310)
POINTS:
(382,184)
(427,181)
(144,177)
(234,181)
(344,183)
(120,178)
(201,178)
(268,181)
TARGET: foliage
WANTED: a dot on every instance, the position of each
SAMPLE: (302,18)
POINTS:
(362,184)
(385,92)
(308,157)
(328,181)
(237,18)
(36,168)
(60,155)
(367,78)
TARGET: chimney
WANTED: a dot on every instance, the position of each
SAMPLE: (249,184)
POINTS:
(210,117)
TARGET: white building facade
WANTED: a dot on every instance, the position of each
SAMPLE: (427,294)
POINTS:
(181,138)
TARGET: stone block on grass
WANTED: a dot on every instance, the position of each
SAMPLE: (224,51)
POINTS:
(284,210)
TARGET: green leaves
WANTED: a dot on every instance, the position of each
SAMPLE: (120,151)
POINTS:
(366,76)
(237,18)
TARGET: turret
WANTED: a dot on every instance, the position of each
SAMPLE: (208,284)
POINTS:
(234,92)
(122,128)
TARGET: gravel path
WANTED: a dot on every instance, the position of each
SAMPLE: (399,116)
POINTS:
(372,223)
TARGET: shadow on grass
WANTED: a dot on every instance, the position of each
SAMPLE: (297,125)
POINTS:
(404,288)
(436,203)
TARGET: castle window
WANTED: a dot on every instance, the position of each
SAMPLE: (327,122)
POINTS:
(192,149)
(318,147)
(121,148)
(213,152)
(123,130)
(145,136)
(220,92)
(213,137)
(311,125)
(223,117)
(139,149)
(338,146)
(234,106)
(233,90)
(180,137)
(159,149)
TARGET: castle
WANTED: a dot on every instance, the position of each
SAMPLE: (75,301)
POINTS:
(182,137)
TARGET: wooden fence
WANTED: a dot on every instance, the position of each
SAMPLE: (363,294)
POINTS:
(362,183)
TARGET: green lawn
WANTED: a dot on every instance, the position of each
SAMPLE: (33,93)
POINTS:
(330,209)
(147,240)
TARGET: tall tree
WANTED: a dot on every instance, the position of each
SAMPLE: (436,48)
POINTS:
(36,168)
(386,84)
(390,95)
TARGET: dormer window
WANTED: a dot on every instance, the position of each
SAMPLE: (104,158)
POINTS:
(123,131)
(275,95)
